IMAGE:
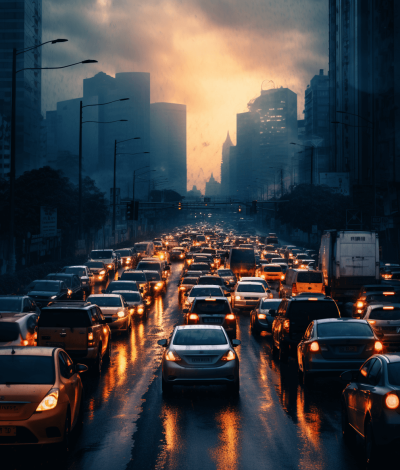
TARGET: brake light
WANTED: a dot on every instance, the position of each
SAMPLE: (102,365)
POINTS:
(182,288)
(360,304)
(392,401)
(230,316)
(282,277)
(378,346)
(371,322)
(171,356)
(286,325)
(388,308)
(193,317)
(314,346)
(90,336)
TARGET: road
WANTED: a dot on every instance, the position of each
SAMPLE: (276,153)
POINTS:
(274,424)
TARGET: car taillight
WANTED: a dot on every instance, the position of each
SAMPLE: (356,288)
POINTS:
(286,325)
(314,346)
(282,277)
(378,346)
(193,317)
(230,316)
(392,401)
(360,304)
(90,336)
(171,356)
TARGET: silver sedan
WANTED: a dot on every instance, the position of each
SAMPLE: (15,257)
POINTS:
(200,355)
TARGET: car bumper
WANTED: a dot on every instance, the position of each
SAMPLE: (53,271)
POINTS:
(46,427)
(262,325)
(317,364)
(245,304)
(227,373)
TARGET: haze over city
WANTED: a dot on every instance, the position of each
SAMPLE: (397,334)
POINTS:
(211,56)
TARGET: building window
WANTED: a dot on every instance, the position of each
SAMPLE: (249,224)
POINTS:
(6,166)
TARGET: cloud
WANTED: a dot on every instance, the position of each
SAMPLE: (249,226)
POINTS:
(211,55)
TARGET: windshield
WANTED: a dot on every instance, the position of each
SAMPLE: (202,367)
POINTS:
(250,288)
(272,269)
(199,337)
(343,329)
(46,286)
(101,254)
(216,306)
(217,281)
(384,314)
(123,253)
(153,276)
(8,304)
(148,266)
(122,285)
(188,280)
(141,246)
(64,318)
(78,271)
(66,279)
(270,304)
(206,292)
(242,256)
(308,310)
(29,370)
(131,296)
(105,301)
(133,276)
(394,373)
(225,272)
(95,264)
(309,277)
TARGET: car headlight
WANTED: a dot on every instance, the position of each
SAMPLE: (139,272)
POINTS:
(102,272)
(262,316)
(128,260)
(49,401)
(171,356)
(140,310)
(159,284)
(54,297)
(131,310)
(69,291)
(110,266)
(237,297)
(121,314)
(228,356)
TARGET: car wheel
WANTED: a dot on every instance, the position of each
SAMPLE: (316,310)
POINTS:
(64,445)
(98,362)
(234,389)
(107,356)
(283,354)
(370,447)
(347,431)
(166,387)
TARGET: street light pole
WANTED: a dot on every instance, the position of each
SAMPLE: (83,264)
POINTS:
(115,170)
(80,172)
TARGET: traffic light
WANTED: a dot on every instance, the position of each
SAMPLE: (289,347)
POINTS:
(240,209)
(254,207)
(179,205)
(136,211)
(129,211)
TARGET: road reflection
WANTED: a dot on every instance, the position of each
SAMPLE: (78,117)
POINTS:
(226,454)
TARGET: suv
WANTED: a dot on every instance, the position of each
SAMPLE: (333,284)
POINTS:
(212,311)
(84,274)
(108,257)
(301,280)
(293,318)
(140,278)
(77,327)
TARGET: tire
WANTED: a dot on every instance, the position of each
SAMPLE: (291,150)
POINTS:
(98,363)
(234,389)
(166,387)
(63,447)
(348,434)
(283,354)
(370,447)
(107,356)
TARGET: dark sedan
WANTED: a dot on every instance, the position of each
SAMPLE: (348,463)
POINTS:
(371,406)
(73,283)
(262,317)
(43,292)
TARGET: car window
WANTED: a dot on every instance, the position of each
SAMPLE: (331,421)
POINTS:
(66,367)
(388,313)
(309,277)
(34,370)
(101,301)
(365,369)
(205,292)
(308,310)
(64,318)
(394,373)
(94,315)
(199,337)
(250,288)
(340,329)
(375,372)
(211,306)
(268,305)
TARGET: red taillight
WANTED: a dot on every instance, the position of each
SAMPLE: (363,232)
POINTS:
(193,317)
(314,346)
(230,316)
(392,401)
(286,325)
(378,346)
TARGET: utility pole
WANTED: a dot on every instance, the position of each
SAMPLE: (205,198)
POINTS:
(80,172)
(11,266)
(281,182)
(114,188)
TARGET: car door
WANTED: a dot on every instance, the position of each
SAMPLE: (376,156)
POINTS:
(302,345)
(104,331)
(97,328)
(70,380)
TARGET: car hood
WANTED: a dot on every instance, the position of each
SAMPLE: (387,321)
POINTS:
(33,394)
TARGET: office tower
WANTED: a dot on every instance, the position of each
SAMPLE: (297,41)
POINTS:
(213,188)
(168,147)
(225,165)
(21,27)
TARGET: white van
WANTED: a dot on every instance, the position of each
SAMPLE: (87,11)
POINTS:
(301,280)
(144,249)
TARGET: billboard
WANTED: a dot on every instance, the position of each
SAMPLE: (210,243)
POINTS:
(339,182)
(48,221)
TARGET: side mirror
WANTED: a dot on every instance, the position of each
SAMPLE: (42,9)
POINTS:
(185,310)
(348,376)
(81,368)
(103,291)
(163,342)
(236,342)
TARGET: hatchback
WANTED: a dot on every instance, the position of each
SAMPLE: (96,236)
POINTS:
(200,355)
(385,321)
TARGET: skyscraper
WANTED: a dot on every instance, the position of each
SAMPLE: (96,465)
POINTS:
(225,164)
(168,146)
(213,188)
(21,27)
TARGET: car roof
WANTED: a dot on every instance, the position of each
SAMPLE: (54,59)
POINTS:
(348,320)
(27,351)
(78,266)
(125,292)
(316,296)
(197,327)
(10,317)
(393,357)
(59,274)
(202,286)
(105,295)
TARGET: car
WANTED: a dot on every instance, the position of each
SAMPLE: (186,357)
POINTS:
(211,310)
(293,318)
(331,346)
(108,257)
(154,264)
(84,274)
(228,276)
(301,280)
(44,291)
(299,258)
(258,280)
(200,355)
(79,328)
(271,272)
(387,297)
(385,321)
(73,283)
(122,285)
(177,254)
(140,278)
(126,257)
(17,304)
(18,329)
(99,271)
(204,268)
(114,307)
(215,281)
(371,406)
(247,295)
(42,397)
(137,308)
(144,249)
(157,284)
(202,291)
(262,317)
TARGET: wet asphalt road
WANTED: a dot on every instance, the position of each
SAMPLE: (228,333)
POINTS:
(275,423)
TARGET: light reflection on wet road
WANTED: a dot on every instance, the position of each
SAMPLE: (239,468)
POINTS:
(274,424)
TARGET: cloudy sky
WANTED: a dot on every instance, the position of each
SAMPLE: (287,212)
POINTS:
(211,55)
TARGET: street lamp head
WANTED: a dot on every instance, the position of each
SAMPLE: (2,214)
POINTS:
(124,99)
(89,61)
(123,120)
(59,40)
(293,143)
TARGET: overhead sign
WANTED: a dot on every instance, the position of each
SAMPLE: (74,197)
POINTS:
(48,221)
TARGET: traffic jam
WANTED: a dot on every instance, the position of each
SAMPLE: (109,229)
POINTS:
(236,337)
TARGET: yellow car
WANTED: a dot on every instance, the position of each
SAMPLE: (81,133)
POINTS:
(40,396)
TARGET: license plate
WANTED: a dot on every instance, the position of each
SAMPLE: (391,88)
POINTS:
(10,407)
(251,302)
(348,349)
(6,431)
(212,320)
(200,359)
(55,344)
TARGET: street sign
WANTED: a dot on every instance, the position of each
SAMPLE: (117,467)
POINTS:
(314,229)
(48,221)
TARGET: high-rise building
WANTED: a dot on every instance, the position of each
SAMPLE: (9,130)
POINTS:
(225,167)
(21,28)
(213,188)
(168,146)
(232,172)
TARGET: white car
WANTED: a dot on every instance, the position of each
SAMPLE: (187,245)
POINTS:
(202,291)
(18,329)
(247,294)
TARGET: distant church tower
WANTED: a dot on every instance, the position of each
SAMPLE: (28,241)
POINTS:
(225,189)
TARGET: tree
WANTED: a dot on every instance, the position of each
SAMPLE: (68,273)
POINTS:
(310,205)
